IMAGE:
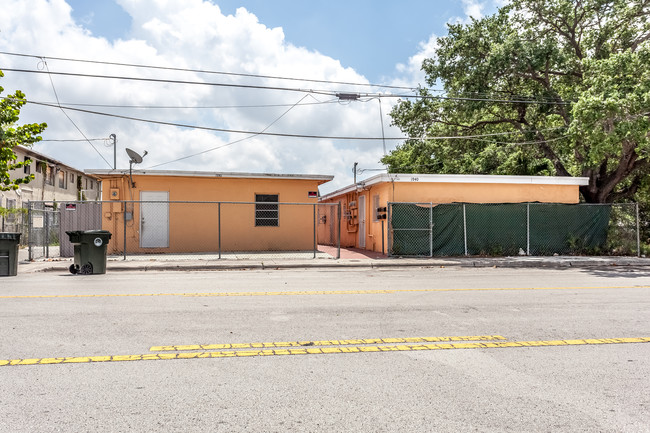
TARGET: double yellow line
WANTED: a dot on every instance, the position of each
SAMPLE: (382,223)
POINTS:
(326,347)
(317,292)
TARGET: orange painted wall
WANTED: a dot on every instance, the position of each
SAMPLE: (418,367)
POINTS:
(429,192)
(194,227)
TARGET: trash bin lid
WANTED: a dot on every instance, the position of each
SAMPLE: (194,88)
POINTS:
(101,233)
(9,236)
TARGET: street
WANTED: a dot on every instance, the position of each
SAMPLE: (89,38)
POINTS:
(382,350)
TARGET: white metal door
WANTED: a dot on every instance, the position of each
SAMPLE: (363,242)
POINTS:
(362,221)
(154,219)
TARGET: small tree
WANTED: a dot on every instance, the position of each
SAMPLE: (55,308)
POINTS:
(12,136)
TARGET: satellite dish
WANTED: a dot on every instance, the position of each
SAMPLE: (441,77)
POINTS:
(135,159)
(135,156)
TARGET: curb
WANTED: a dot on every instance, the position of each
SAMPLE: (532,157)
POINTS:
(368,264)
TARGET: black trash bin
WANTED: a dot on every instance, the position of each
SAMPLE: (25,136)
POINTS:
(89,251)
(9,254)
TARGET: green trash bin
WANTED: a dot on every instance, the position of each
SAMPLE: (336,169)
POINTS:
(89,251)
(9,254)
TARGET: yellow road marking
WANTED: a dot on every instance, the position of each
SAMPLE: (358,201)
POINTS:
(320,292)
(319,351)
(323,343)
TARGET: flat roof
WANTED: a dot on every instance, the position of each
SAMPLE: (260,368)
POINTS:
(108,173)
(459,178)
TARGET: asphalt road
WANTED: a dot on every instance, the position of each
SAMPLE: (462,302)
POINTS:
(345,350)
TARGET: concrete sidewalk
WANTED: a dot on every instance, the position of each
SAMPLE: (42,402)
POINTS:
(197,263)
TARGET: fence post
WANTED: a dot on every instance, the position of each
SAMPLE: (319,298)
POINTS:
(338,235)
(638,234)
(219,226)
(527,229)
(430,229)
(132,216)
(30,215)
(389,232)
(314,225)
(465,228)
(46,237)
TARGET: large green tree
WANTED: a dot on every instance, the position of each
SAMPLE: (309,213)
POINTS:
(550,87)
(12,135)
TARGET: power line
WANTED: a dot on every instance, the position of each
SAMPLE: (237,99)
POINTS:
(185,107)
(277,134)
(167,81)
(487,96)
(207,128)
(519,100)
(69,118)
(73,139)
(233,142)
(202,71)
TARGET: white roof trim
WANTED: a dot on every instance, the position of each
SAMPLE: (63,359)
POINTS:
(323,178)
(460,178)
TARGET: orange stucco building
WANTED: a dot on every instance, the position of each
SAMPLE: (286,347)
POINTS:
(163,211)
(361,224)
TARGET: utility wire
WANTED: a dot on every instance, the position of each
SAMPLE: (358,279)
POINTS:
(202,71)
(73,139)
(473,94)
(167,81)
(66,114)
(233,142)
(207,128)
(184,107)
(275,134)
(289,89)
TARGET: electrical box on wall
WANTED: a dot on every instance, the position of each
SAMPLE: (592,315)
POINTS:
(115,194)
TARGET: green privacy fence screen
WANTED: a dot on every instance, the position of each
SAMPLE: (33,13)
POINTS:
(426,229)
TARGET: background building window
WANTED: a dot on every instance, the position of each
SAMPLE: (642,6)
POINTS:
(49,175)
(62,183)
(27,168)
(266,210)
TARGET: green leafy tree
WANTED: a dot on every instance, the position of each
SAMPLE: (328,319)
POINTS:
(11,136)
(550,87)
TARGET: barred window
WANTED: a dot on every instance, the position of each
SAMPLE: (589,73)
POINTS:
(266,210)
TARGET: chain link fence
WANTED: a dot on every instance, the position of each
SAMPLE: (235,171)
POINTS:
(173,230)
(538,229)
(41,232)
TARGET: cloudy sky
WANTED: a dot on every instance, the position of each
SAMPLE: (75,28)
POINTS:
(221,66)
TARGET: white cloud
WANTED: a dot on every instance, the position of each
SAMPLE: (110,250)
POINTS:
(473,8)
(190,34)
(411,74)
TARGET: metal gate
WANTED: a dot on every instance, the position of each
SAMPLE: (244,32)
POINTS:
(77,216)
